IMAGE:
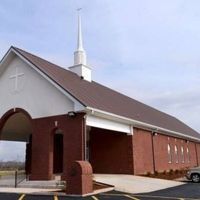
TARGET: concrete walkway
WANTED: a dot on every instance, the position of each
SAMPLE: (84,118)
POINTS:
(30,187)
(53,187)
(8,181)
(135,184)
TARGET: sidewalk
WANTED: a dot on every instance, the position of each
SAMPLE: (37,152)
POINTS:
(52,187)
(122,183)
(135,184)
(30,187)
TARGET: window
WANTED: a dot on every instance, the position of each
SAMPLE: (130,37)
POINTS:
(182,155)
(188,154)
(176,153)
(169,153)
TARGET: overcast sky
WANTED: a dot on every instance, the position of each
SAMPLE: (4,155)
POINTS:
(149,50)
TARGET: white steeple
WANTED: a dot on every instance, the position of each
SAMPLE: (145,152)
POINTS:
(79,54)
(80,64)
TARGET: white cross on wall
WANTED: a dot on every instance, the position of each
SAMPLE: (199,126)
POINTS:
(16,77)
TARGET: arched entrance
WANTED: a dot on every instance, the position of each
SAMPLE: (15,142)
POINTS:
(16,126)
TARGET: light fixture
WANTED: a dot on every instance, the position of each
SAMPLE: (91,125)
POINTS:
(71,114)
(154,133)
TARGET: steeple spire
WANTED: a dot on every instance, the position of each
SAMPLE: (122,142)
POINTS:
(80,39)
(80,65)
(79,54)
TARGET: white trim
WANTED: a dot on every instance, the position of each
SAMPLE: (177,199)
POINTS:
(103,123)
(136,123)
(131,130)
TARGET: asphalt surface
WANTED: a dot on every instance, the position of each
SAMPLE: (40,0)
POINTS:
(188,191)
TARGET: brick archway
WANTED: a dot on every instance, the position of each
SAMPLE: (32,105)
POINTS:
(11,112)
(16,125)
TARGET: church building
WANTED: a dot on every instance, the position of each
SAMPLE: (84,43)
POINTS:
(65,116)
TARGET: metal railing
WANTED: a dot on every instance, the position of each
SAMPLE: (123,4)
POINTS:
(12,178)
(20,176)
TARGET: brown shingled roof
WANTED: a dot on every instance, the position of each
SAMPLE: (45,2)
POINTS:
(94,95)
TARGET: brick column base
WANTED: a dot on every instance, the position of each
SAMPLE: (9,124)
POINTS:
(80,180)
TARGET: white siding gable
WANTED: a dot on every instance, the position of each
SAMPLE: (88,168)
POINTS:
(32,92)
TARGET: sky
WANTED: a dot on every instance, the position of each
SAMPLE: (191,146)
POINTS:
(148,50)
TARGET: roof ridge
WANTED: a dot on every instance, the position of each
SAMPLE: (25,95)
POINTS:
(45,60)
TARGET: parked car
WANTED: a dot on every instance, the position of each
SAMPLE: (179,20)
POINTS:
(193,174)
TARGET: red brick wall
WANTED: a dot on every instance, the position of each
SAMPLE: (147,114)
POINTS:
(111,152)
(143,152)
(161,153)
(193,154)
(42,149)
(43,144)
(142,148)
(198,153)
(74,141)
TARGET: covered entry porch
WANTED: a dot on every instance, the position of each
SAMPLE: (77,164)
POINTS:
(109,146)
(49,141)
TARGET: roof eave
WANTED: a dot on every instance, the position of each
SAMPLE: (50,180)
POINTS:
(139,124)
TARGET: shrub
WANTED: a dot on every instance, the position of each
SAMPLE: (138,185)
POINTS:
(164,172)
(156,173)
(176,171)
(148,173)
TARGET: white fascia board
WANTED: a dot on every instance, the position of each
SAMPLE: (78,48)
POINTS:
(136,123)
(5,58)
(77,105)
(108,124)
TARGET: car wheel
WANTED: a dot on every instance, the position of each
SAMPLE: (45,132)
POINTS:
(195,178)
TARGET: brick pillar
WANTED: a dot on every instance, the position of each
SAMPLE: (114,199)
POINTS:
(74,148)
(80,181)
(73,142)
(28,157)
(42,149)
(130,154)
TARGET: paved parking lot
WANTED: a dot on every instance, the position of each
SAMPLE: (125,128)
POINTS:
(188,191)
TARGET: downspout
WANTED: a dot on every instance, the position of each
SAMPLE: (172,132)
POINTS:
(153,154)
(85,138)
(196,154)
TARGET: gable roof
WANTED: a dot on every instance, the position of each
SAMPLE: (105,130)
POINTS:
(95,95)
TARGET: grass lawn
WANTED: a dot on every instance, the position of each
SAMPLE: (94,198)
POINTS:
(10,172)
